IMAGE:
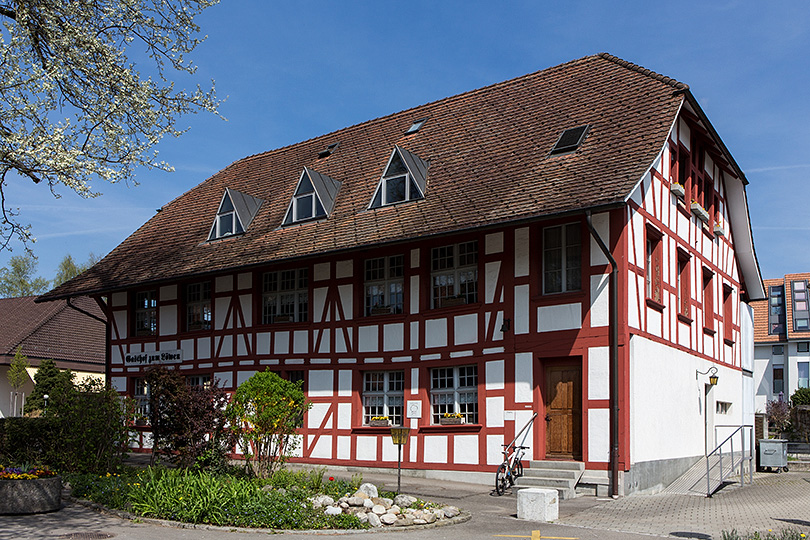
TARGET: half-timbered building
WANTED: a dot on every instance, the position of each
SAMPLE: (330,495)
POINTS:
(573,243)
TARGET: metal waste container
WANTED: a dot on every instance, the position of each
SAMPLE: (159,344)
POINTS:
(773,454)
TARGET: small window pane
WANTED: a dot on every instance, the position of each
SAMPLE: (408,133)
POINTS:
(303,207)
(395,189)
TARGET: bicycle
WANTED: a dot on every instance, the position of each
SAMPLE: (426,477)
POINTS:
(510,470)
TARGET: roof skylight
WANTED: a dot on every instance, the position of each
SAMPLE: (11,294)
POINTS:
(416,126)
(570,140)
(328,150)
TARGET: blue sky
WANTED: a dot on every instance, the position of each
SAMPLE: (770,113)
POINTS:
(295,70)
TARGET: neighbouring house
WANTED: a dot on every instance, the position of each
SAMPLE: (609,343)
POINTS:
(456,258)
(53,330)
(782,339)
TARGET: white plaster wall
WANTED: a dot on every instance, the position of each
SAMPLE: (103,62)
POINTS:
(220,311)
(599,373)
(601,222)
(320,382)
(666,401)
(223,284)
(524,384)
(600,287)
(494,375)
(494,449)
(436,333)
(300,342)
(346,303)
(168,293)
(242,376)
(522,252)
(393,337)
(316,415)
(118,299)
(560,317)
(344,415)
(520,318)
(494,410)
(366,448)
(323,447)
(465,449)
(436,449)
(318,303)
(465,328)
(746,343)
(599,435)
(493,243)
(344,447)
(120,318)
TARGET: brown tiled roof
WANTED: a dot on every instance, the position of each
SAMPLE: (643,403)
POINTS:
(488,154)
(52,330)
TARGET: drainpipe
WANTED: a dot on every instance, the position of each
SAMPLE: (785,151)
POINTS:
(614,359)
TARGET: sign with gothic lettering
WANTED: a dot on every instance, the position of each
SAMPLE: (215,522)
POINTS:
(174,356)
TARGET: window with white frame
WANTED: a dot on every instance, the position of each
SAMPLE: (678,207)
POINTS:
(384,284)
(562,259)
(198,306)
(398,183)
(383,395)
(145,313)
(227,221)
(140,394)
(454,390)
(203,381)
(305,204)
(454,274)
(803,374)
(285,296)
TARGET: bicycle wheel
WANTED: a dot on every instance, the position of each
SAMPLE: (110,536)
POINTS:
(501,479)
(518,469)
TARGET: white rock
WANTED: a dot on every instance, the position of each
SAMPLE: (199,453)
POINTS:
(322,500)
(356,501)
(430,517)
(369,489)
(361,494)
(343,504)
(378,509)
(419,522)
(374,520)
(368,503)
(333,511)
(439,513)
(362,517)
(404,501)
(395,509)
(451,511)
(388,519)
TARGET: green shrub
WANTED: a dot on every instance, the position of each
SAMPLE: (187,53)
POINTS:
(84,430)
(198,497)
(800,397)
(265,414)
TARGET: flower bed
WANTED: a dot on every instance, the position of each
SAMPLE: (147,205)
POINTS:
(29,491)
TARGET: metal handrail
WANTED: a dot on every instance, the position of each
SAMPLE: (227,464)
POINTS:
(512,444)
(719,451)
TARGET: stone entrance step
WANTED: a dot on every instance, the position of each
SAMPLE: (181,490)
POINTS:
(560,475)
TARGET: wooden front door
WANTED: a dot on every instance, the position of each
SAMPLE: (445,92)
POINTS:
(563,399)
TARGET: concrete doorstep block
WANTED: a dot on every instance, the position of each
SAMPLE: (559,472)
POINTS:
(536,504)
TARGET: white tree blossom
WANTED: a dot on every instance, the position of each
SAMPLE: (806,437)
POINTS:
(73,106)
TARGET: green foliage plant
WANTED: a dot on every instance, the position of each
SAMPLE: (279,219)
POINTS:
(199,497)
(48,380)
(188,422)
(784,534)
(265,413)
(17,279)
(800,397)
(17,372)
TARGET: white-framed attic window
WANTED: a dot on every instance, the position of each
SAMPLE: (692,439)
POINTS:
(404,179)
(236,212)
(314,197)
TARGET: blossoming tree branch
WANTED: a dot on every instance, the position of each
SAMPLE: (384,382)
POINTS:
(73,107)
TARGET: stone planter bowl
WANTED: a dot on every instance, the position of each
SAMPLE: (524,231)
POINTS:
(30,496)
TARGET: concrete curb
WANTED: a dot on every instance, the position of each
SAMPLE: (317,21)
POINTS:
(461,518)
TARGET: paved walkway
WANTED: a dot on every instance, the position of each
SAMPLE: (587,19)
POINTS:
(774,501)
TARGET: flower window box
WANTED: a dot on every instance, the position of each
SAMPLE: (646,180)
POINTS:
(719,230)
(379,422)
(677,190)
(700,212)
(451,420)
(454,301)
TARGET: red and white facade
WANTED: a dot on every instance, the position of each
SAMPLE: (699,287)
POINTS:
(527,333)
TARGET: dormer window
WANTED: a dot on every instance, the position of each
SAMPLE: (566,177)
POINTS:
(236,212)
(314,197)
(404,179)
(570,140)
